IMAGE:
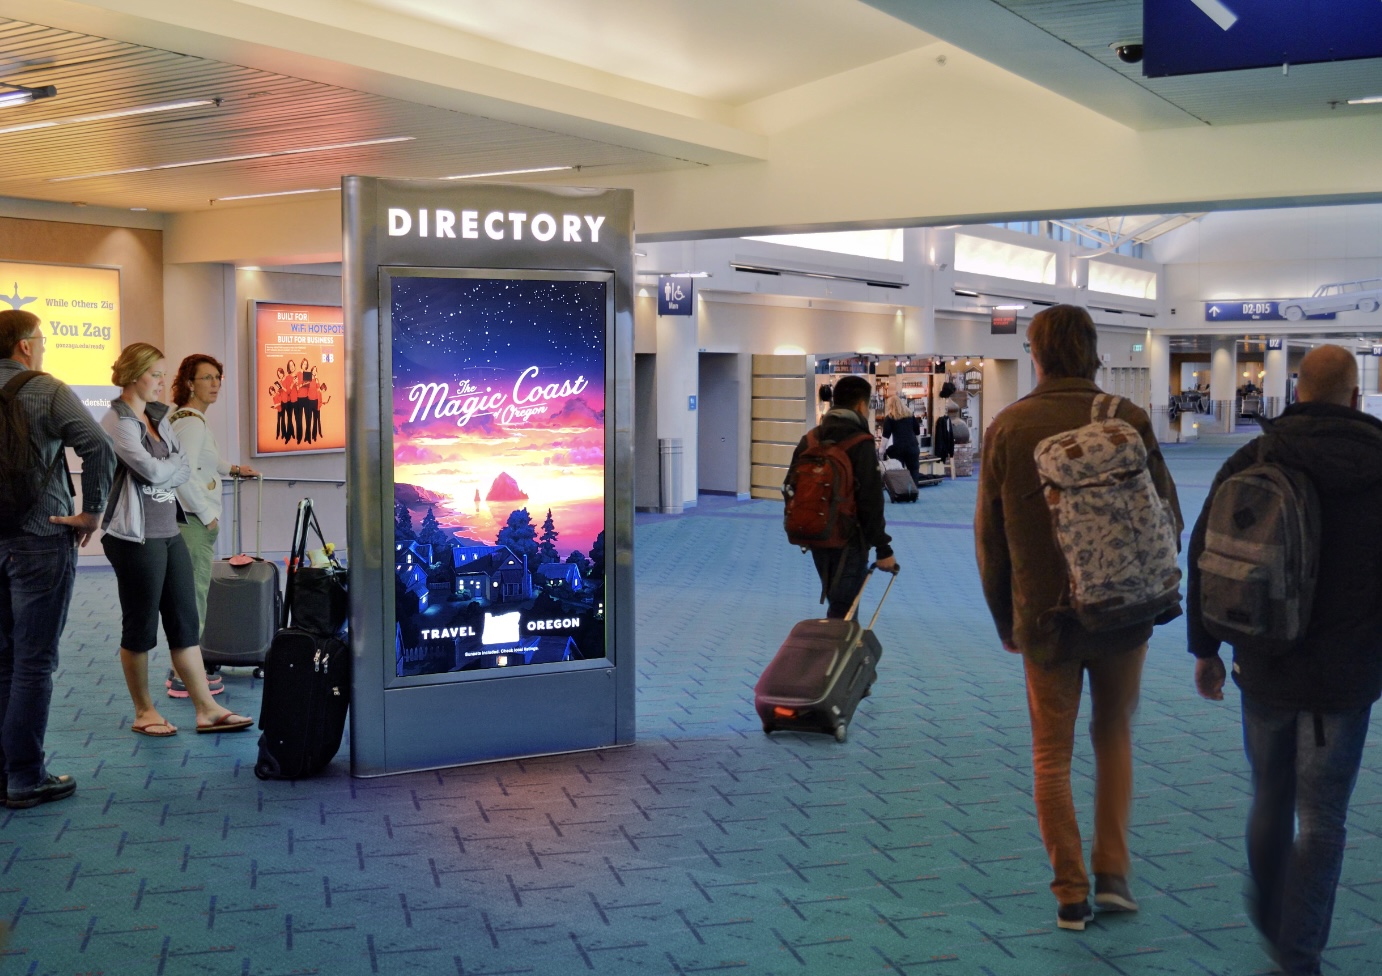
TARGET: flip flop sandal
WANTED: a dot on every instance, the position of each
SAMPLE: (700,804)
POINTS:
(149,727)
(226,724)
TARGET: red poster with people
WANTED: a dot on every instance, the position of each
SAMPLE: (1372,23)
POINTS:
(299,379)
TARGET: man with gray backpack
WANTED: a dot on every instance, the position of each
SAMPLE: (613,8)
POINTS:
(1286,566)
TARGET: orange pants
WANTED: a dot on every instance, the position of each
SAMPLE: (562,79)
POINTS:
(1053,700)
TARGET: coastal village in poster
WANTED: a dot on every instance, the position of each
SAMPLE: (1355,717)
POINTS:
(499,479)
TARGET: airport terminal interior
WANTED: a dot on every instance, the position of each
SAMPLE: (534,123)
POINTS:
(889,189)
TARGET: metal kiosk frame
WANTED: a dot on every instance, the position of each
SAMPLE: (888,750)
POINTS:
(398,229)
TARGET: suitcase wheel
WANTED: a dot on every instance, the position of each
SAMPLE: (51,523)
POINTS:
(841,733)
(867,691)
(261,769)
(259,673)
(767,729)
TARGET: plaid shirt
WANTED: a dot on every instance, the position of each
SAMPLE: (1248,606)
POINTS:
(58,420)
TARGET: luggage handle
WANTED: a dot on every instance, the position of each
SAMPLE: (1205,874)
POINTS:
(258,522)
(854,607)
(305,520)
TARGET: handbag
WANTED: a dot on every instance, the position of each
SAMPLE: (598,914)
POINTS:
(317,597)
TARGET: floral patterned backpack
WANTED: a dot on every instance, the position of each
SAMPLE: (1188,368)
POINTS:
(1116,533)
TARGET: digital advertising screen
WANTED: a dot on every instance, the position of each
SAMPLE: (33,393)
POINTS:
(498,468)
(79,309)
(299,378)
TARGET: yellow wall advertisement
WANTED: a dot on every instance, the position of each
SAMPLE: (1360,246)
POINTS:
(299,386)
(79,309)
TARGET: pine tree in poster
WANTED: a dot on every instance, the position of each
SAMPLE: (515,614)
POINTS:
(547,542)
(402,522)
(431,532)
(597,558)
(520,536)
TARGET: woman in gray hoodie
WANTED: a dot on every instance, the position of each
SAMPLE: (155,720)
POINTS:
(153,571)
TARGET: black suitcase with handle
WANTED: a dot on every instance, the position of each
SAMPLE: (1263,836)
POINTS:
(306,686)
(821,673)
(900,486)
(244,605)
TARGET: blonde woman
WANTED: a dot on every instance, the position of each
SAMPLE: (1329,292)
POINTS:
(904,429)
(153,572)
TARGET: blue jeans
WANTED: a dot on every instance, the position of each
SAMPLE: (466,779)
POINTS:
(1303,767)
(36,574)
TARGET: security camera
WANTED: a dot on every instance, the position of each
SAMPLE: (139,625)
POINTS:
(1128,53)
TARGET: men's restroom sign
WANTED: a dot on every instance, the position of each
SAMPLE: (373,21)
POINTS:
(675,295)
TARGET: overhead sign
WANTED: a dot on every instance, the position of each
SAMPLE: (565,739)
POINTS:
(1377,350)
(299,379)
(1003,323)
(675,295)
(1252,309)
(79,310)
(1183,37)
(1274,344)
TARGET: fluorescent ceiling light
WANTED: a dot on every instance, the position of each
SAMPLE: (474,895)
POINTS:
(674,274)
(279,193)
(234,159)
(1366,100)
(19,95)
(102,116)
(965,292)
(1008,308)
(509,172)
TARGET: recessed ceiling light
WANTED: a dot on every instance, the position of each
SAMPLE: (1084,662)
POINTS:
(139,209)
(117,114)
(233,159)
(509,172)
(279,193)
(1366,100)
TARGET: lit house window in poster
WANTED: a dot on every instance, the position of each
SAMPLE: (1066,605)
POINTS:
(299,379)
(499,470)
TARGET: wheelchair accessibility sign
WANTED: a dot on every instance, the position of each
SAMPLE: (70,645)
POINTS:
(675,295)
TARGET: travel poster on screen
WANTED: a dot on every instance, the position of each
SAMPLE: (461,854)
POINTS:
(79,312)
(499,471)
(300,379)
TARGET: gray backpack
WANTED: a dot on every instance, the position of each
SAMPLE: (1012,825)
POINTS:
(1261,556)
(1117,534)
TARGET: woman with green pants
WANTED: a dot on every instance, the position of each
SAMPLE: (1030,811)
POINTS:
(195,388)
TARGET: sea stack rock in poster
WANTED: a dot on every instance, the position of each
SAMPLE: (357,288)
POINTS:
(499,468)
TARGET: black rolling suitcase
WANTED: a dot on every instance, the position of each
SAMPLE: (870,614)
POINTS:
(243,603)
(821,673)
(900,486)
(306,686)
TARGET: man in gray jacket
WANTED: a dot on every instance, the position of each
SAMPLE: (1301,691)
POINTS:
(38,558)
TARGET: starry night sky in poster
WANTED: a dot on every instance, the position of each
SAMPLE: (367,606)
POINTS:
(443,327)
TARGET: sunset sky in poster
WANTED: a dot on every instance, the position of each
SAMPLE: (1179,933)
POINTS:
(482,339)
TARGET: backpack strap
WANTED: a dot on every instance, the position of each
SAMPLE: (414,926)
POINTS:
(186,415)
(11,389)
(1105,407)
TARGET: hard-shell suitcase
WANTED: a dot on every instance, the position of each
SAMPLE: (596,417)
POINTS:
(306,687)
(244,603)
(821,673)
(900,486)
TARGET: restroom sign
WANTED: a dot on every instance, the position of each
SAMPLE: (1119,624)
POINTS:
(675,295)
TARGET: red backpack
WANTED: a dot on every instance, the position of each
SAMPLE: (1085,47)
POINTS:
(820,511)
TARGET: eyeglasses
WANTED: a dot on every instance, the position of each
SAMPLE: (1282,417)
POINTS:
(209,376)
(37,335)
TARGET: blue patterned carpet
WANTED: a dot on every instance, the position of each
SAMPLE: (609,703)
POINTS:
(706,847)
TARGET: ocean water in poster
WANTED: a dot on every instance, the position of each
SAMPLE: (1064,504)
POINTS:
(499,471)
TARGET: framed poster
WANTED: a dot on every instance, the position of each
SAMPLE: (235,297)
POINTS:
(498,461)
(299,381)
(79,308)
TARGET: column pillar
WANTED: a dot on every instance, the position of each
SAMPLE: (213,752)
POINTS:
(678,379)
(1223,380)
(1159,383)
(1274,382)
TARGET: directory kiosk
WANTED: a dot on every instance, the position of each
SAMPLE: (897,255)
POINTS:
(490,471)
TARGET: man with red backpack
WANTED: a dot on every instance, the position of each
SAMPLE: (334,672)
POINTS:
(834,495)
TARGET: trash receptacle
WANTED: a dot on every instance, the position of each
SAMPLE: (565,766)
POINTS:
(670,450)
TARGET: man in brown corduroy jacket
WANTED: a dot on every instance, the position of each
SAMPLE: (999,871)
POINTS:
(1024,578)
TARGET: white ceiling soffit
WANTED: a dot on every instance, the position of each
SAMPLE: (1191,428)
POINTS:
(261,114)
(1064,45)
(728,51)
(1139,228)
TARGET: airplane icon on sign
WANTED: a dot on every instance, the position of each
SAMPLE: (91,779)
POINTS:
(14,301)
